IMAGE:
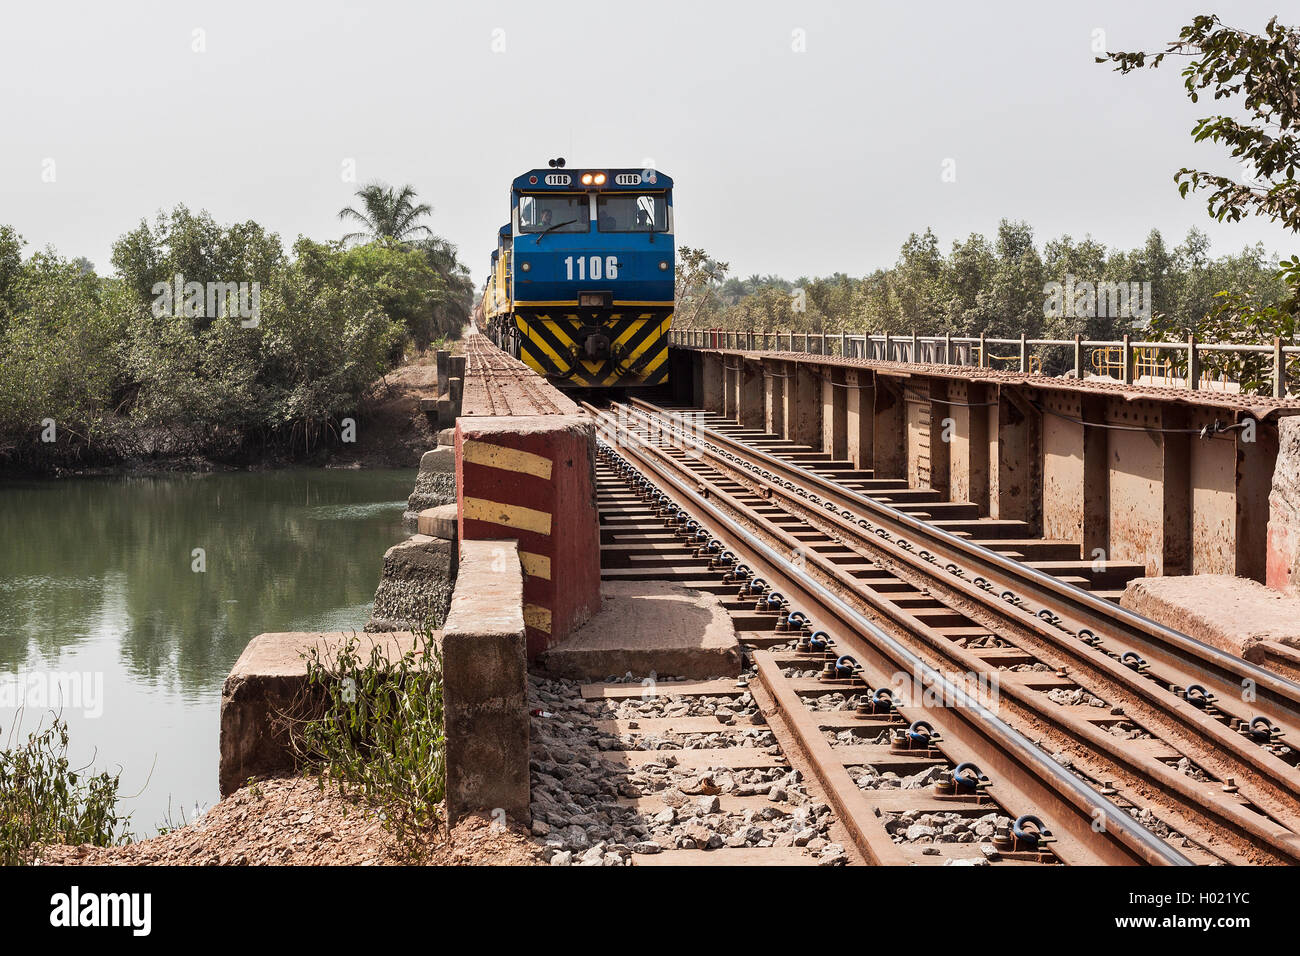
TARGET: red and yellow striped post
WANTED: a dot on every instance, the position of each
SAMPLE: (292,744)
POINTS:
(532,478)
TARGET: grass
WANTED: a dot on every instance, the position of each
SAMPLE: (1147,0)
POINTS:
(44,799)
(374,728)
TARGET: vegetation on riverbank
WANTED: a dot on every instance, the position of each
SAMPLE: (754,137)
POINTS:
(212,341)
(995,286)
(373,728)
(44,799)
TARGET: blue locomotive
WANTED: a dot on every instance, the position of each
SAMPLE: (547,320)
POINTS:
(582,277)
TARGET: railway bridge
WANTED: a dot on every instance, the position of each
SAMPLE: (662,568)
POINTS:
(831,606)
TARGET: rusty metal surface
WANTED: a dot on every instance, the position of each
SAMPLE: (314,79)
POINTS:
(1143,769)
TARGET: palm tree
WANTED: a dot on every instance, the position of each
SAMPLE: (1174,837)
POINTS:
(389,214)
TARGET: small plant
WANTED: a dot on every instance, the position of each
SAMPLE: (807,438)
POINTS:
(374,727)
(43,799)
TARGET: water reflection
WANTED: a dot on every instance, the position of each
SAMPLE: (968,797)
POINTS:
(99,574)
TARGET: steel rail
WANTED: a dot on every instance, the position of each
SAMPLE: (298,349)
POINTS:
(1211,662)
(1261,775)
(1082,799)
(1217,814)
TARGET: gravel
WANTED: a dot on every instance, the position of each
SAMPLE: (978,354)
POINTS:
(576,787)
(1078,695)
(920,827)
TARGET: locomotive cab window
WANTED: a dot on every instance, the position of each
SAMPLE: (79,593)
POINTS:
(554,213)
(629,212)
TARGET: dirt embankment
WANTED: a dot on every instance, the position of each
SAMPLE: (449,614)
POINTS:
(392,431)
(290,821)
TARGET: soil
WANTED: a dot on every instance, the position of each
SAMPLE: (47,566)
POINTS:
(392,431)
(290,821)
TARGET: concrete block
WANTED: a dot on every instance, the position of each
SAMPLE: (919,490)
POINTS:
(435,483)
(440,522)
(415,584)
(532,478)
(485,684)
(266,683)
(649,625)
(1283,549)
(1231,613)
(440,460)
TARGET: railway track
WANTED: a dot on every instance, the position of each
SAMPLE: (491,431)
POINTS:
(1129,742)
(499,384)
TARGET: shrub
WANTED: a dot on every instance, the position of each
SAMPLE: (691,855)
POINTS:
(44,800)
(374,728)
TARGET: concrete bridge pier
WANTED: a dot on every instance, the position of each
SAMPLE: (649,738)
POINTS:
(751,397)
(859,417)
(1126,473)
(774,383)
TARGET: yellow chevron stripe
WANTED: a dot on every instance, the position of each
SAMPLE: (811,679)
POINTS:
(554,326)
(631,330)
(508,459)
(508,516)
(654,363)
(535,565)
(541,345)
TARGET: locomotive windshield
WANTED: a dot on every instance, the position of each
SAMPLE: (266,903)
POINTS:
(554,212)
(629,212)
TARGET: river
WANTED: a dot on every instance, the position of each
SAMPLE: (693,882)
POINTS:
(132,597)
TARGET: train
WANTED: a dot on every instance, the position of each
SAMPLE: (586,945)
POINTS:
(583,276)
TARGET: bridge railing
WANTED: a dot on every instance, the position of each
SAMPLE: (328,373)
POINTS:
(1124,360)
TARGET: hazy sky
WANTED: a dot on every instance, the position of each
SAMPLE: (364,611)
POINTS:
(790,162)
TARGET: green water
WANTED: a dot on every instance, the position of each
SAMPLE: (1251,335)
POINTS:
(98,584)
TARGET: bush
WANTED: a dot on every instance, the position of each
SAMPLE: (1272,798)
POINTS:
(374,729)
(59,354)
(44,800)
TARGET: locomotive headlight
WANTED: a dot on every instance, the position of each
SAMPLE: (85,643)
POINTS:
(600,179)
(525,266)
(586,179)
(663,265)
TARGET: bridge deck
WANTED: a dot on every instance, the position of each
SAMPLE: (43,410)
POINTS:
(498,384)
